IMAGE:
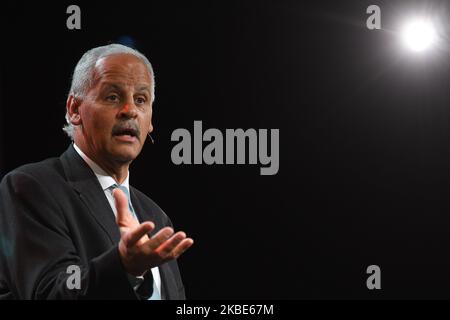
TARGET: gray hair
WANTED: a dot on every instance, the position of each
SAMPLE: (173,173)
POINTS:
(84,71)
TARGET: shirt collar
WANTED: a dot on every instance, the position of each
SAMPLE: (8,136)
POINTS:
(106,181)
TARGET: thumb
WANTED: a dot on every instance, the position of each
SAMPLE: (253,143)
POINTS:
(123,213)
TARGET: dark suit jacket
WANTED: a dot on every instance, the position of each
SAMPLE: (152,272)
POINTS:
(54,214)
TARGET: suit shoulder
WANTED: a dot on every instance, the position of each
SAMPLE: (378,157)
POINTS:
(41,170)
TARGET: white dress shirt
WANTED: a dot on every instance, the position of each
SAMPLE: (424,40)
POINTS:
(106,181)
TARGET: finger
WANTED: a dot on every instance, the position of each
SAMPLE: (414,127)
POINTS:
(166,248)
(123,213)
(132,237)
(160,237)
(182,247)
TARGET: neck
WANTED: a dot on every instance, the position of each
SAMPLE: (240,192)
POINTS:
(119,174)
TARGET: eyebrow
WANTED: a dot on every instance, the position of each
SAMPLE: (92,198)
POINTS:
(144,88)
(111,85)
(120,87)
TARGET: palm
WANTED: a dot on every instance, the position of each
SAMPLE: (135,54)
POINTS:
(124,219)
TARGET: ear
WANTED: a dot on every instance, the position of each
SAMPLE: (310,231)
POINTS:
(150,127)
(73,105)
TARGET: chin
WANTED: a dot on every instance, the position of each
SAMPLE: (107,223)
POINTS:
(125,154)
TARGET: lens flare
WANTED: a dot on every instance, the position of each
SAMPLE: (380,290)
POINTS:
(419,35)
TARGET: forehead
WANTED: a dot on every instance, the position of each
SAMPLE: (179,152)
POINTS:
(122,68)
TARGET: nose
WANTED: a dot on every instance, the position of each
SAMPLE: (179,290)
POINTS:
(128,110)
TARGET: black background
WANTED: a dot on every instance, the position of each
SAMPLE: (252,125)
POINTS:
(364,136)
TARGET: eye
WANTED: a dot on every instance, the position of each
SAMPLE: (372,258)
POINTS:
(112,98)
(140,100)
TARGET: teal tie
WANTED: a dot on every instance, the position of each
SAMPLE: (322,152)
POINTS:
(155,295)
(130,206)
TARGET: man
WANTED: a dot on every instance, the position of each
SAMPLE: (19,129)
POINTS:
(76,215)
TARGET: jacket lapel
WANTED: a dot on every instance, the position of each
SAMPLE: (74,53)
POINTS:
(86,184)
(168,285)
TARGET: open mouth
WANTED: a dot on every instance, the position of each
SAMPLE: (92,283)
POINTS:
(127,134)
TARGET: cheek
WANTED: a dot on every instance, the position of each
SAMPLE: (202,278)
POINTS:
(97,122)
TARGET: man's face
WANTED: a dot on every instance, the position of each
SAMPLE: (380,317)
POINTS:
(117,111)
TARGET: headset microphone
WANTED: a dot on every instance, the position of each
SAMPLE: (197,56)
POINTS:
(153,141)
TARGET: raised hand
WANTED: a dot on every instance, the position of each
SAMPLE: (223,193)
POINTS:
(138,252)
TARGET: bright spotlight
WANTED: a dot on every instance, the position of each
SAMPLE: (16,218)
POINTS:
(419,35)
